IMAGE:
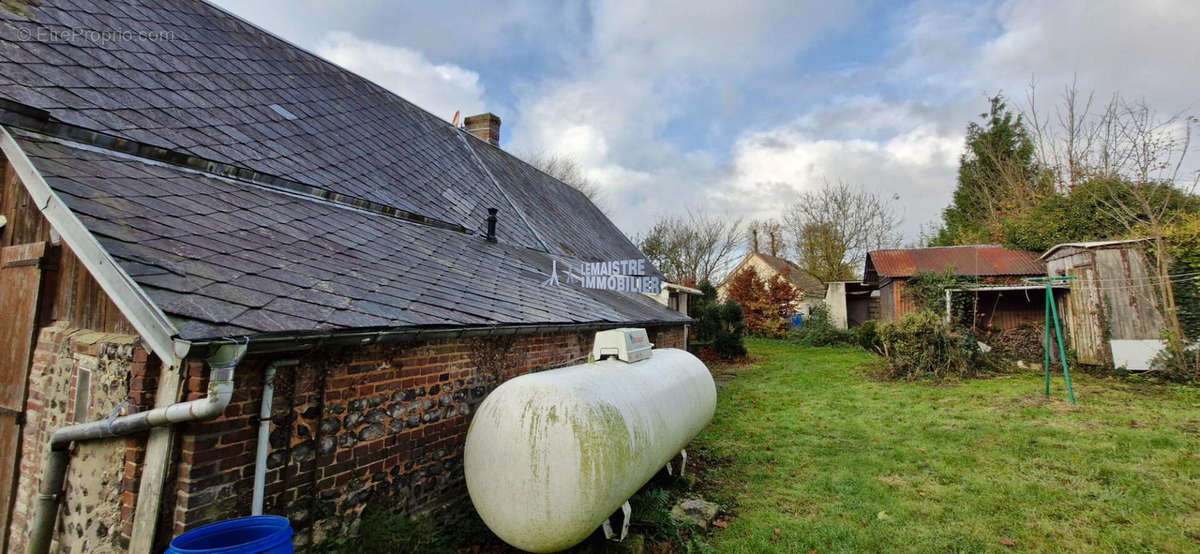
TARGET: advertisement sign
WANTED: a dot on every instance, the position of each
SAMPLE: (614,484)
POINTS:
(614,275)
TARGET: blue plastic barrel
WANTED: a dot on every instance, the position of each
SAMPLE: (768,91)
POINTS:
(246,535)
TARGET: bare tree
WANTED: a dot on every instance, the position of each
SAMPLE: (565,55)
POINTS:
(1136,155)
(567,169)
(833,228)
(766,236)
(692,248)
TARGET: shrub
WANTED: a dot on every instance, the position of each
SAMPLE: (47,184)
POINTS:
(768,305)
(728,342)
(1081,214)
(922,345)
(719,327)
(1178,363)
(927,291)
(867,335)
(818,330)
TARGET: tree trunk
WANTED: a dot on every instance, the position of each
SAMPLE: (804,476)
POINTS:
(1167,290)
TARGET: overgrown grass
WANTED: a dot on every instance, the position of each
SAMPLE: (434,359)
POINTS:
(838,462)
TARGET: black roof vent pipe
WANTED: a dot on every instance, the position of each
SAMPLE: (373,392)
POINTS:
(491,235)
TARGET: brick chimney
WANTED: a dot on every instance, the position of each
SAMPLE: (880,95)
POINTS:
(485,126)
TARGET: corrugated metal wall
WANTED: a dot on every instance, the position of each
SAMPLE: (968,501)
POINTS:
(1113,297)
(1130,295)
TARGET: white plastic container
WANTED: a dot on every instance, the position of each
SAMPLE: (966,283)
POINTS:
(549,456)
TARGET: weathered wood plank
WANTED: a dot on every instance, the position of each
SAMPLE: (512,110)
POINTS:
(20,284)
(1086,324)
(154,468)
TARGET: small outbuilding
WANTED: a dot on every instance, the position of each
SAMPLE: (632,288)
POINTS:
(999,298)
(1112,311)
(851,303)
(675,296)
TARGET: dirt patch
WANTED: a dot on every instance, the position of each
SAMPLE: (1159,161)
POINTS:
(1054,404)
(724,372)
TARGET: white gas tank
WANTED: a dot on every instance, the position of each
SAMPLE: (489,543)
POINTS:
(549,456)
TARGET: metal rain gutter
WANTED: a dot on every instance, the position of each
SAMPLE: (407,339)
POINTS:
(295,342)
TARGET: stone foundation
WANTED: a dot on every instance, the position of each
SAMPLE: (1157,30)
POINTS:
(100,370)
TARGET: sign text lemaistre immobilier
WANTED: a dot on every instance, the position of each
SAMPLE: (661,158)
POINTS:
(618,275)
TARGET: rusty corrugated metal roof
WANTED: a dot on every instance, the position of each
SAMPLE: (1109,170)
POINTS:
(976,260)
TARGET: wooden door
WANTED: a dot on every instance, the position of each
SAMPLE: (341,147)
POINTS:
(1086,317)
(20,281)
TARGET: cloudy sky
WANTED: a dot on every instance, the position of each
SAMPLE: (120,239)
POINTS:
(735,107)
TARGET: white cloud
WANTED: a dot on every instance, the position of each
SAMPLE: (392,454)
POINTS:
(637,74)
(439,88)
(770,168)
(486,29)
(1133,47)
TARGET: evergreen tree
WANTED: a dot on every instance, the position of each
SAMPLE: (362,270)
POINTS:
(996,177)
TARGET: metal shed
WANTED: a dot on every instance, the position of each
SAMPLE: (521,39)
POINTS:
(1112,314)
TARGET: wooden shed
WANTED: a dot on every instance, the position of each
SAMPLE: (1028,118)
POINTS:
(1004,303)
(1112,312)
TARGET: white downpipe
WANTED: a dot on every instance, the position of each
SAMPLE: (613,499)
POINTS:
(264,433)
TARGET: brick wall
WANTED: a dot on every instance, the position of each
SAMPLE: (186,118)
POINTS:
(102,476)
(378,423)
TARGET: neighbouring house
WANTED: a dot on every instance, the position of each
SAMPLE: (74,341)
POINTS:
(1112,313)
(997,298)
(675,296)
(851,303)
(198,211)
(768,266)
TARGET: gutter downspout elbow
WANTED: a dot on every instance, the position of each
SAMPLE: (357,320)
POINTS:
(264,433)
(220,389)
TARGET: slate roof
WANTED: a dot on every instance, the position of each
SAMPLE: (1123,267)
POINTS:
(977,260)
(208,91)
(799,276)
(228,256)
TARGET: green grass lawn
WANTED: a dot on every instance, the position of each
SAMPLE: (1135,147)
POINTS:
(806,444)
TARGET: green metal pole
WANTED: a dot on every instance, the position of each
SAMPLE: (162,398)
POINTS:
(1062,351)
(1046,342)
